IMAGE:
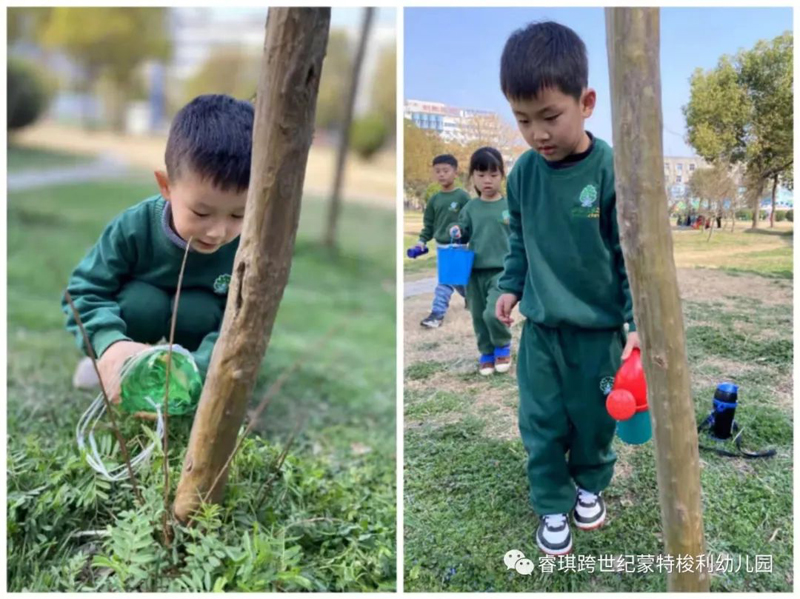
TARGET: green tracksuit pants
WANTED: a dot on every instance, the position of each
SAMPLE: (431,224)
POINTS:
(482,294)
(147,312)
(564,375)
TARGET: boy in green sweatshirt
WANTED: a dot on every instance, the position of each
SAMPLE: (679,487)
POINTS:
(565,269)
(124,288)
(483,223)
(441,213)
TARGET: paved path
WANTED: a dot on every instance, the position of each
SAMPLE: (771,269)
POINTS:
(418,287)
(107,167)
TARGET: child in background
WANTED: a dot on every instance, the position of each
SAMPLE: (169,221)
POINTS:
(565,268)
(483,223)
(441,213)
(124,289)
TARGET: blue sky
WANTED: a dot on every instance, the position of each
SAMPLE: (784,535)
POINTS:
(452,55)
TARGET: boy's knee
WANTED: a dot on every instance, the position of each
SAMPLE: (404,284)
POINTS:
(199,312)
(145,310)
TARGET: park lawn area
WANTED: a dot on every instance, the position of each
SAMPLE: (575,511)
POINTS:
(465,487)
(22,158)
(326,521)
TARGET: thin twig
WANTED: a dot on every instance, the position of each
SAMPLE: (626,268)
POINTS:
(276,467)
(271,392)
(117,432)
(166,392)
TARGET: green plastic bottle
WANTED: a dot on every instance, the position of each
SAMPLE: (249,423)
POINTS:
(144,379)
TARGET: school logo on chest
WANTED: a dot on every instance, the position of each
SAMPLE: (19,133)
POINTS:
(221,284)
(506,217)
(589,206)
(454,206)
(606,384)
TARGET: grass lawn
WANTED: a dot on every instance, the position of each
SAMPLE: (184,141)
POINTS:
(326,522)
(28,159)
(465,486)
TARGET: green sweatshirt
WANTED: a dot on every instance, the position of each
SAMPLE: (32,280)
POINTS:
(441,213)
(140,244)
(565,261)
(485,226)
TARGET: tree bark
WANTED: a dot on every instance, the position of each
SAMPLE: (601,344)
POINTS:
(294,47)
(774,194)
(633,51)
(334,207)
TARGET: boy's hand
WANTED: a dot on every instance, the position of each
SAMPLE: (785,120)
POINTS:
(420,244)
(455,232)
(633,343)
(111,363)
(502,309)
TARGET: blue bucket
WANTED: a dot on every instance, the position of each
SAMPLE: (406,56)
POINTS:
(454,263)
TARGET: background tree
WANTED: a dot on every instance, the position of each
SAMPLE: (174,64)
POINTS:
(231,71)
(420,146)
(741,112)
(384,90)
(108,40)
(335,80)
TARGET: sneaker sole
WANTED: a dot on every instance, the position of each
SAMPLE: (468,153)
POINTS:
(486,371)
(593,526)
(431,325)
(504,368)
(547,551)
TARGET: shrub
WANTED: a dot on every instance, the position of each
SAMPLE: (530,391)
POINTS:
(367,135)
(744,215)
(28,93)
(780,215)
(790,215)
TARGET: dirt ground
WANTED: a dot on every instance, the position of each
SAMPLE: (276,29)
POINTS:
(371,182)
(495,397)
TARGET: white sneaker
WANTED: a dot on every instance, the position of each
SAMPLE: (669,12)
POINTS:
(590,510)
(553,536)
(85,376)
(486,368)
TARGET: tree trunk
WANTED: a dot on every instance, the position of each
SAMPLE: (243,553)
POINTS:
(294,47)
(334,207)
(774,194)
(633,50)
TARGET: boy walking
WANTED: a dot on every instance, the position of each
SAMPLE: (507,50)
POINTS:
(566,270)
(124,289)
(441,213)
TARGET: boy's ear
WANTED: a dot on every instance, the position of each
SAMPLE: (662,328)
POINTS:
(588,102)
(163,183)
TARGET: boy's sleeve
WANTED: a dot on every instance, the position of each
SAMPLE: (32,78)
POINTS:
(465,224)
(94,286)
(619,264)
(515,267)
(427,221)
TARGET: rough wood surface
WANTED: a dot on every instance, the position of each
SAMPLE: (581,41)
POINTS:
(294,48)
(633,56)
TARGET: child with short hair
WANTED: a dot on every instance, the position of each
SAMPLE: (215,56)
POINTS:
(565,268)
(483,223)
(441,213)
(124,289)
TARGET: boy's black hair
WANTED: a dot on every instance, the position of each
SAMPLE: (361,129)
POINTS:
(213,137)
(486,159)
(446,159)
(543,55)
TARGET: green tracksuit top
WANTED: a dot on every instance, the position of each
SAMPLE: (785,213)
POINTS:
(441,213)
(140,245)
(565,260)
(485,226)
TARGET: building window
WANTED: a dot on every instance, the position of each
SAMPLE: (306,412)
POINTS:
(678,179)
(679,167)
(691,168)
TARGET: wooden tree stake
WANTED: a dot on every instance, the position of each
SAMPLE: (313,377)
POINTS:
(633,57)
(294,47)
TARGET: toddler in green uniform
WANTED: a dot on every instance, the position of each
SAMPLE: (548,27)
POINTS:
(565,269)
(483,223)
(124,288)
(441,213)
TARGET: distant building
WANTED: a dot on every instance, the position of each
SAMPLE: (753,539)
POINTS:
(461,125)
